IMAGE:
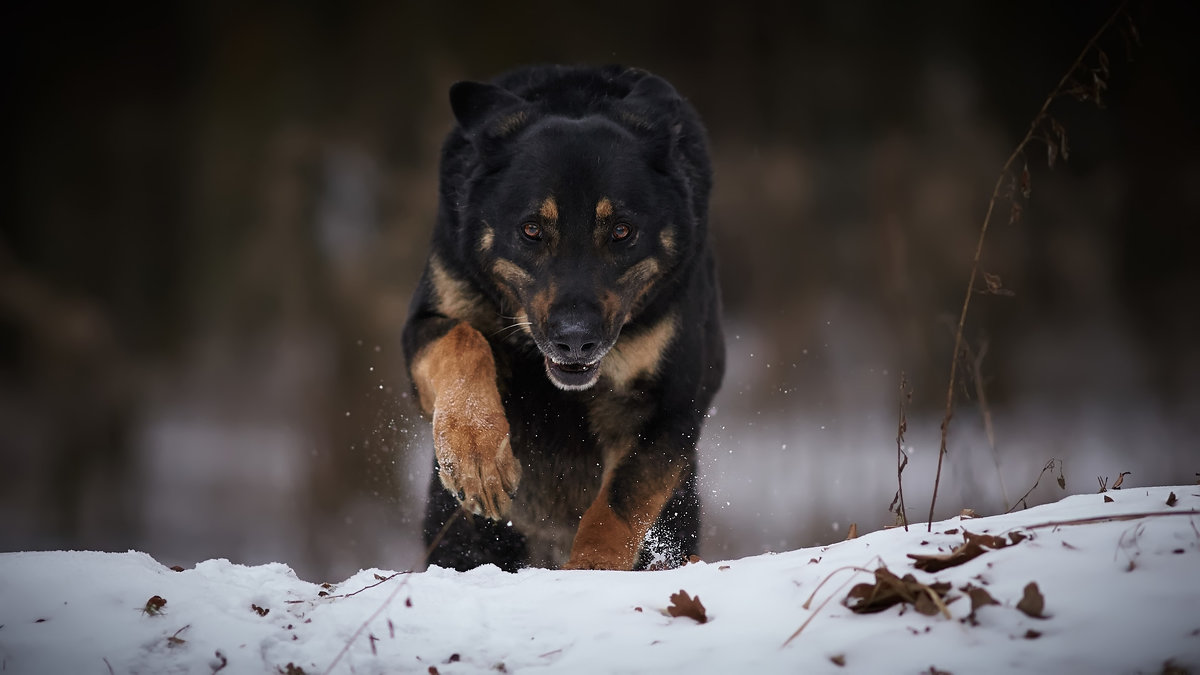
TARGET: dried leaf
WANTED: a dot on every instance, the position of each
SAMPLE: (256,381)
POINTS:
(838,659)
(890,589)
(154,606)
(1017,537)
(968,513)
(693,559)
(176,568)
(994,285)
(1032,604)
(1014,215)
(261,611)
(1171,499)
(973,546)
(979,598)
(1032,634)
(1117,484)
(1108,499)
(1062,481)
(852,533)
(684,605)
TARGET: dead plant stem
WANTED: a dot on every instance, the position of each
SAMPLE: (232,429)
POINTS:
(987,219)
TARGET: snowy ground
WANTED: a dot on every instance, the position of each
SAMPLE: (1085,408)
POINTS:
(1120,581)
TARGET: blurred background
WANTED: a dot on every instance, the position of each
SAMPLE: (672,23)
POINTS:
(214,214)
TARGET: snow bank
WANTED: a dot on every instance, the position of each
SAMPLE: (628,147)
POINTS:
(1120,582)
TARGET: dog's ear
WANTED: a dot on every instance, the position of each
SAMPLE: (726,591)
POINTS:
(474,103)
(654,92)
(651,109)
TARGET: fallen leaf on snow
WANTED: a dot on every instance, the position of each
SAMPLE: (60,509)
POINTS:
(1032,604)
(890,589)
(154,606)
(684,605)
(838,659)
(1171,499)
(973,546)
(979,598)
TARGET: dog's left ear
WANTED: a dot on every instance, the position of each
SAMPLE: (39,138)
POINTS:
(651,109)
(474,103)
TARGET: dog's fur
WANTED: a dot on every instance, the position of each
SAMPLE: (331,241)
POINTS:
(565,336)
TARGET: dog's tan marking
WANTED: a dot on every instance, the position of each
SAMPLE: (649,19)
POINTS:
(456,299)
(613,309)
(511,272)
(487,239)
(539,305)
(667,239)
(604,209)
(639,355)
(455,378)
(511,124)
(549,210)
(605,540)
(640,274)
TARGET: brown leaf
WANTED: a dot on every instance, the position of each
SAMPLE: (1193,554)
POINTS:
(693,559)
(154,606)
(1014,215)
(1117,484)
(176,568)
(890,589)
(973,546)
(1032,604)
(979,597)
(684,605)
(1017,537)
(1062,482)
(261,611)
(994,285)
(838,659)
(1032,634)
(1108,499)
(968,513)
(1171,499)
(852,533)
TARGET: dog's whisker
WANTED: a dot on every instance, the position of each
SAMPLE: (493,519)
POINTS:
(512,327)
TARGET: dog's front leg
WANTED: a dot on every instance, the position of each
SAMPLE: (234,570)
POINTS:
(455,376)
(632,496)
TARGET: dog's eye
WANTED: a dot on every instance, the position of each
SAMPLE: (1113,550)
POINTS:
(532,230)
(621,231)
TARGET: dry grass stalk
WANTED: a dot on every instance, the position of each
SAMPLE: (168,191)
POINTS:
(1045,129)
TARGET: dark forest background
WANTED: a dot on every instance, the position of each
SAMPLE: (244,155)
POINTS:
(214,213)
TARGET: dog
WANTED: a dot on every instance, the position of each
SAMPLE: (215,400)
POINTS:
(565,338)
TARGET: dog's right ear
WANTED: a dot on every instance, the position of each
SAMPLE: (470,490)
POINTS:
(475,102)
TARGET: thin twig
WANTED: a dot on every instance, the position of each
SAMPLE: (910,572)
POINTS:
(1048,467)
(986,410)
(901,456)
(962,316)
(395,591)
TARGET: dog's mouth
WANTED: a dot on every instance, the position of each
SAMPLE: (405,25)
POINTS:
(572,376)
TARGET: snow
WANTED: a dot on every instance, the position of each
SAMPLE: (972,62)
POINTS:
(1121,582)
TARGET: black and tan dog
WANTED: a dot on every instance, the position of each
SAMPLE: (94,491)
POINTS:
(565,336)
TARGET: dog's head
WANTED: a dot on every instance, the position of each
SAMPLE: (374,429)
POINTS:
(575,221)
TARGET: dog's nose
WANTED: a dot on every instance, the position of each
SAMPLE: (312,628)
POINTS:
(574,339)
